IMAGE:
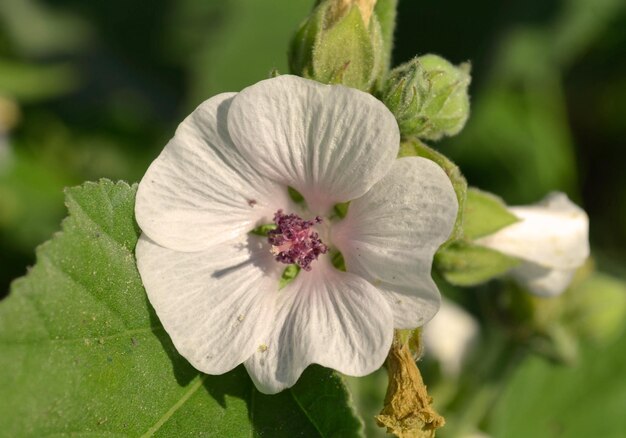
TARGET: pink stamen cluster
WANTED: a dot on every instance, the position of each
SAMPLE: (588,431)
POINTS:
(294,242)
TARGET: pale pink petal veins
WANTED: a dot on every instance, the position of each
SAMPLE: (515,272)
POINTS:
(217,304)
(331,143)
(391,234)
(200,191)
(332,318)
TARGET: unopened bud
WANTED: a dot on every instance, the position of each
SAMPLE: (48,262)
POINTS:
(340,43)
(338,9)
(429,97)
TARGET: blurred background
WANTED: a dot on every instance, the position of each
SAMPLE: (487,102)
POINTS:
(95,89)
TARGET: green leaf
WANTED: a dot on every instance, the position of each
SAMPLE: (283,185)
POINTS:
(484,214)
(415,148)
(465,264)
(544,399)
(83,353)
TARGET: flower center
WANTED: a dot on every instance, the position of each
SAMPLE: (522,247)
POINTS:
(294,241)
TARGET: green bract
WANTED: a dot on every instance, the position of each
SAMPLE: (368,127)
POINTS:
(83,353)
(484,214)
(338,44)
(464,264)
(428,95)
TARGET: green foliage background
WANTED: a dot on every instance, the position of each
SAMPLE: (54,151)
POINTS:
(100,86)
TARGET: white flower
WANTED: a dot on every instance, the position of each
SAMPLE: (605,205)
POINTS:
(450,336)
(215,285)
(552,237)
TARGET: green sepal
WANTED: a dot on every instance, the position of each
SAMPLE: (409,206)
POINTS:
(446,107)
(404,92)
(412,337)
(300,52)
(344,53)
(386,11)
(484,214)
(416,148)
(465,264)
(336,258)
(341,209)
(262,230)
(289,274)
(295,195)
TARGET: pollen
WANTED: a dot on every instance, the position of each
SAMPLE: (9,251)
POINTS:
(294,241)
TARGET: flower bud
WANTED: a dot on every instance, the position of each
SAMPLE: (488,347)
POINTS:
(340,43)
(551,237)
(428,95)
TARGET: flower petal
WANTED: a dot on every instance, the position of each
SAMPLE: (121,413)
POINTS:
(325,316)
(553,233)
(215,305)
(200,191)
(412,306)
(391,234)
(331,143)
(542,281)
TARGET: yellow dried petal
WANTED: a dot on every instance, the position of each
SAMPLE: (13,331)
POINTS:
(408,412)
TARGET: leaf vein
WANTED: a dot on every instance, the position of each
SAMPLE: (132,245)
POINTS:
(155,330)
(53,265)
(82,212)
(175,407)
(306,413)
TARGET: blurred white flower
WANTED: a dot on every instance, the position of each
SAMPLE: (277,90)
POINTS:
(450,336)
(215,285)
(551,237)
